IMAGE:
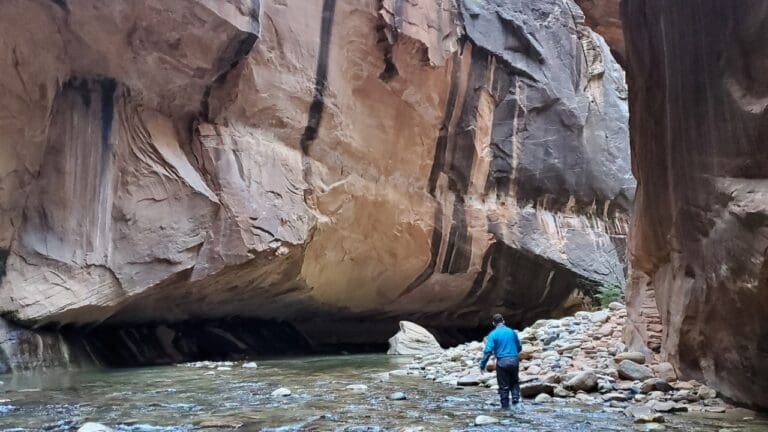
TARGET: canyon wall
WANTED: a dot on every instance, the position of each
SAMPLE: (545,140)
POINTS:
(313,162)
(698,289)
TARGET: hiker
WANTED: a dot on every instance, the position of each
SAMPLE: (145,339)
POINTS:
(504,344)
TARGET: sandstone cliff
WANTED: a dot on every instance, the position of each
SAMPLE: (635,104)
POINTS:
(698,291)
(306,161)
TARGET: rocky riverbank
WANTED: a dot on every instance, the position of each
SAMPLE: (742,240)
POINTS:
(579,359)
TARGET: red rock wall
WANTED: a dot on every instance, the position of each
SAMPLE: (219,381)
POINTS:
(698,80)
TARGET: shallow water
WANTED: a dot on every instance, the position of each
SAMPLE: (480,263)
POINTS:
(175,398)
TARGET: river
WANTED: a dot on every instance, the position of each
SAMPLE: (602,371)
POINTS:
(177,398)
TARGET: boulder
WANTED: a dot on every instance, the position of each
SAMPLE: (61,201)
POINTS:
(583,381)
(600,316)
(632,371)
(471,380)
(533,389)
(655,384)
(635,356)
(706,393)
(543,398)
(665,371)
(413,339)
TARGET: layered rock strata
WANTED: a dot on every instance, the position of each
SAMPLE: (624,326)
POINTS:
(698,290)
(312,162)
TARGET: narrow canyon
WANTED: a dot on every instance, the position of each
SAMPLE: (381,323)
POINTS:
(201,179)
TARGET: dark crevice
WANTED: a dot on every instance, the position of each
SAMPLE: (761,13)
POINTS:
(321,78)
(108,87)
(228,61)
(388,37)
(3,258)
(62,4)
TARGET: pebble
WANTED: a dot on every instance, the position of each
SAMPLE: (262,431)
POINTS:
(281,392)
(397,396)
(483,420)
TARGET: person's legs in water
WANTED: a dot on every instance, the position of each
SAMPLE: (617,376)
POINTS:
(514,369)
(504,377)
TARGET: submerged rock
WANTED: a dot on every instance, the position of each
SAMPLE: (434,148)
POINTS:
(643,414)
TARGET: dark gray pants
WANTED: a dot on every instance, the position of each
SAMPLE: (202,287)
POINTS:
(507,369)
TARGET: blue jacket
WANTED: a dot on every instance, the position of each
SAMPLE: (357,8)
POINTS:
(502,342)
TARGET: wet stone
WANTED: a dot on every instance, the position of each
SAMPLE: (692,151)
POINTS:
(632,371)
(357,388)
(397,396)
(281,392)
(94,427)
(483,420)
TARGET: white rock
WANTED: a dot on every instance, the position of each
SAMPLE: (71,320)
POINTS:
(357,388)
(281,392)
(94,427)
(600,316)
(413,339)
(250,365)
(482,420)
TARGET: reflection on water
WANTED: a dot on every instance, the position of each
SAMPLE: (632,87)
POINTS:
(185,398)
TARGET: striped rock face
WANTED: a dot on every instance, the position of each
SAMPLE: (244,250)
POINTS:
(307,161)
(698,289)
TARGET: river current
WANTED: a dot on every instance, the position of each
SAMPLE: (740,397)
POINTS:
(178,398)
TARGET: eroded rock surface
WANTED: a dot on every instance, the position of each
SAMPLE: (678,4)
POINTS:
(698,292)
(307,161)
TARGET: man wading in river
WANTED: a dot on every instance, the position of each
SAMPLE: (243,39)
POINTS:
(503,343)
